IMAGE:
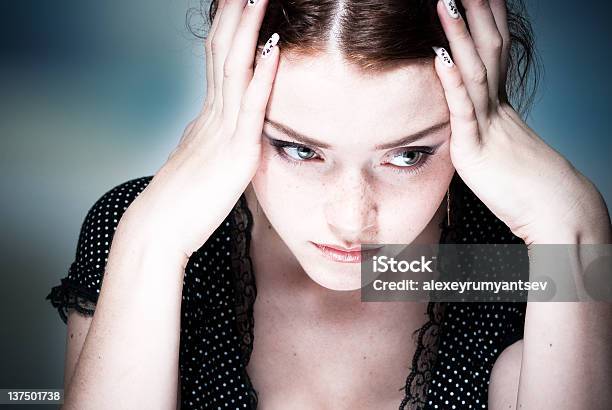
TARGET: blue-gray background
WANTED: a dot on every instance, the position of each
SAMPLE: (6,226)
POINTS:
(97,92)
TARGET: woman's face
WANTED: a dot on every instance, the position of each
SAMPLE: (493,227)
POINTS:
(351,159)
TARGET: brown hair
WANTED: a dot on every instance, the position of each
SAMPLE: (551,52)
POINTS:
(374,34)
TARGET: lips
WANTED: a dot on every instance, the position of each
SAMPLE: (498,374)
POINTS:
(345,255)
(340,248)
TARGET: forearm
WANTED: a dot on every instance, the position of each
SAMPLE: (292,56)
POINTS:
(567,356)
(130,355)
(567,352)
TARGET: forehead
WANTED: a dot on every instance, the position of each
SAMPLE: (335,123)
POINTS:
(324,97)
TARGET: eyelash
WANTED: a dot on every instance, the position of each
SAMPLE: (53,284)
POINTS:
(278,146)
(426,152)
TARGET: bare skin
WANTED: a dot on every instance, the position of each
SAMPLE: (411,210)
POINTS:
(326,332)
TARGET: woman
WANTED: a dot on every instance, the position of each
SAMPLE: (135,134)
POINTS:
(355,134)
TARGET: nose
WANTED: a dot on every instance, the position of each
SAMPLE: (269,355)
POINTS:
(350,209)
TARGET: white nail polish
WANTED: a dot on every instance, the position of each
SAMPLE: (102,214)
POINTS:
(269,45)
(451,7)
(251,2)
(443,54)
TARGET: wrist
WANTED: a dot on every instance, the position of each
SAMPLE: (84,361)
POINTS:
(587,221)
(137,237)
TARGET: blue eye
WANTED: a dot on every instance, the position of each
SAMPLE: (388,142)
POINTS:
(407,158)
(294,153)
(410,161)
(299,153)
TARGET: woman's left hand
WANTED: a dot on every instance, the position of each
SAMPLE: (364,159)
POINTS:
(528,185)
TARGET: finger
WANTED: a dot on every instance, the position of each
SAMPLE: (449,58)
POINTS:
(487,39)
(255,99)
(210,85)
(500,14)
(238,68)
(222,40)
(463,121)
(468,61)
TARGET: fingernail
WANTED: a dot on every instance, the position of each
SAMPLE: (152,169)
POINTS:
(443,54)
(251,2)
(451,7)
(269,45)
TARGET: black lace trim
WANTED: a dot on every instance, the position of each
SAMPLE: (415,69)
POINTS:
(245,288)
(424,359)
(69,295)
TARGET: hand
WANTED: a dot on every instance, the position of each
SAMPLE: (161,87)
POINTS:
(195,190)
(528,185)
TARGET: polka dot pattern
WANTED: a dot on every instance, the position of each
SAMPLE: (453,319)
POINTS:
(455,351)
(472,335)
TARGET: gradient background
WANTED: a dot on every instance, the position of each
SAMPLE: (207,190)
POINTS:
(94,93)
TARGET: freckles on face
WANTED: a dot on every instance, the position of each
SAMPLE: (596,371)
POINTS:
(352,190)
(409,203)
(313,201)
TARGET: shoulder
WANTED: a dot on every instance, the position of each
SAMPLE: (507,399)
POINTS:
(109,207)
(117,199)
(504,381)
(102,219)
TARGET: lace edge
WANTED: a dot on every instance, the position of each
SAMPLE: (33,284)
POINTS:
(424,359)
(68,295)
(246,289)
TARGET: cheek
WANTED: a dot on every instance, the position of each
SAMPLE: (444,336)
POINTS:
(405,214)
(286,193)
(408,204)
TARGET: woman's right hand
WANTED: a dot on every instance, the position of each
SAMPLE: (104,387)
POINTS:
(195,190)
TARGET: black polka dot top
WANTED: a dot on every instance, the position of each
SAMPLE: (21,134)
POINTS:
(455,349)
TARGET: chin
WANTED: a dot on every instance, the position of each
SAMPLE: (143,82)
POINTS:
(345,278)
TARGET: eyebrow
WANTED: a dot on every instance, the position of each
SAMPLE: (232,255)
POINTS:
(285,129)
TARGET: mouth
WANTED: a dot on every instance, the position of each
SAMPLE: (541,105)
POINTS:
(345,255)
